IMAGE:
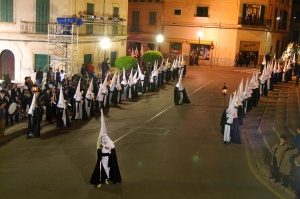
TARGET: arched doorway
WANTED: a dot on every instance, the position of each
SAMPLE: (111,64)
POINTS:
(7,64)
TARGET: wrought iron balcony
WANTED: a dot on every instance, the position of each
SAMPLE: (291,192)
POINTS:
(255,22)
(87,29)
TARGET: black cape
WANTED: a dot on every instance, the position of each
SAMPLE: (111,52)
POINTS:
(177,96)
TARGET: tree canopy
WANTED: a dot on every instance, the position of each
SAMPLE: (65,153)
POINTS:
(151,56)
(127,62)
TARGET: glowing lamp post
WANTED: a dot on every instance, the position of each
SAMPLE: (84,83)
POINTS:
(159,39)
(224,92)
(105,44)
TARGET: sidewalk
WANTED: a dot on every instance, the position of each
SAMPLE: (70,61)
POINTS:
(20,129)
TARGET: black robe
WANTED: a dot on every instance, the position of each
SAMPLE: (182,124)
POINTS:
(235,132)
(177,96)
(97,177)
(114,172)
(34,122)
(223,121)
(59,121)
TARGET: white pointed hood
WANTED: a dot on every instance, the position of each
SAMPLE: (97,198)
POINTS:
(103,136)
(104,86)
(89,92)
(130,79)
(61,99)
(264,62)
(141,75)
(124,80)
(78,95)
(179,85)
(112,84)
(33,104)
(118,86)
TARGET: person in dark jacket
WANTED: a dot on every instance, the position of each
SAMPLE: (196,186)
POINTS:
(39,76)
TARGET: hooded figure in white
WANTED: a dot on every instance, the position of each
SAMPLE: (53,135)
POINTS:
(124,85)
(180,96)
(105,95)
(88,99)
(119,89)
(107,168)
(62,112)
(229,121)
(113,92)
(77,110)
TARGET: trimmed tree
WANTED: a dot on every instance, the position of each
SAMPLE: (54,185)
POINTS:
(127,62)
(151,56)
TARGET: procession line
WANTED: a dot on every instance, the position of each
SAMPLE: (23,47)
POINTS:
(158,114)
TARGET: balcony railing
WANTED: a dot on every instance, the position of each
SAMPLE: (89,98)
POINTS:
(87,29)
(255,22)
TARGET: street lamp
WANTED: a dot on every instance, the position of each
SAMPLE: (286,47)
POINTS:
(105,44)
(224,92)
(200,34)
(159,39)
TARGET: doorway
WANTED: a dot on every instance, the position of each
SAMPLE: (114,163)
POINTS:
(7,64)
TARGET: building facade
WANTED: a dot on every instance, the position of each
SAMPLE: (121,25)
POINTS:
(31,37)
(215,30)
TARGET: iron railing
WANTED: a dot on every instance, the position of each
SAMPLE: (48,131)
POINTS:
(87,29)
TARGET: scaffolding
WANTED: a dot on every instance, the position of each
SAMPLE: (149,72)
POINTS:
(63,47)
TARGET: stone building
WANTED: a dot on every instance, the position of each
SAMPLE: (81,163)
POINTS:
(213,30)
(31,37)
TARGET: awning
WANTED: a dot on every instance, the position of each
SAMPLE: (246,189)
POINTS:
(202,42)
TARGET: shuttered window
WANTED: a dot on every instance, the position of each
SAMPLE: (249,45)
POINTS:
(42,15)
(6,11)
(152,18)
(42,61)
(202,11)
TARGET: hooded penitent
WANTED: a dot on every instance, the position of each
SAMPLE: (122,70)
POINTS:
(107,168)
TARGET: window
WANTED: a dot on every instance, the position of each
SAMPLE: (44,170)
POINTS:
(152,18)
(42,61)
(253,15)
(202,11)
(177,12)
(135,21)
(175,48)
(6,10)
(42,15)
(90,8)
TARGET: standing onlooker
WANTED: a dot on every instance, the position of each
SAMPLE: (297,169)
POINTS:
(278,150)
(83,71)
(105,67)
(297,177)
(39,76)
(2,118)
(287,163)
(297,140)
(62,76)
(90,69)
(50,73)
(57,76)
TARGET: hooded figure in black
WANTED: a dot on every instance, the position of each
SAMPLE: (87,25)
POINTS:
(107,168)
(35,114)
(180,96)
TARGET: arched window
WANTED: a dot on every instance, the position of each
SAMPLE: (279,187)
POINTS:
(7,64)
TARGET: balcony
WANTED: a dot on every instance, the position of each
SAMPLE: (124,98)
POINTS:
(255,23)
(87,29)
(145,29)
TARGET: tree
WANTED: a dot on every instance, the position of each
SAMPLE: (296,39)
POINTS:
(126,62)
(7,79)
(151,56)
